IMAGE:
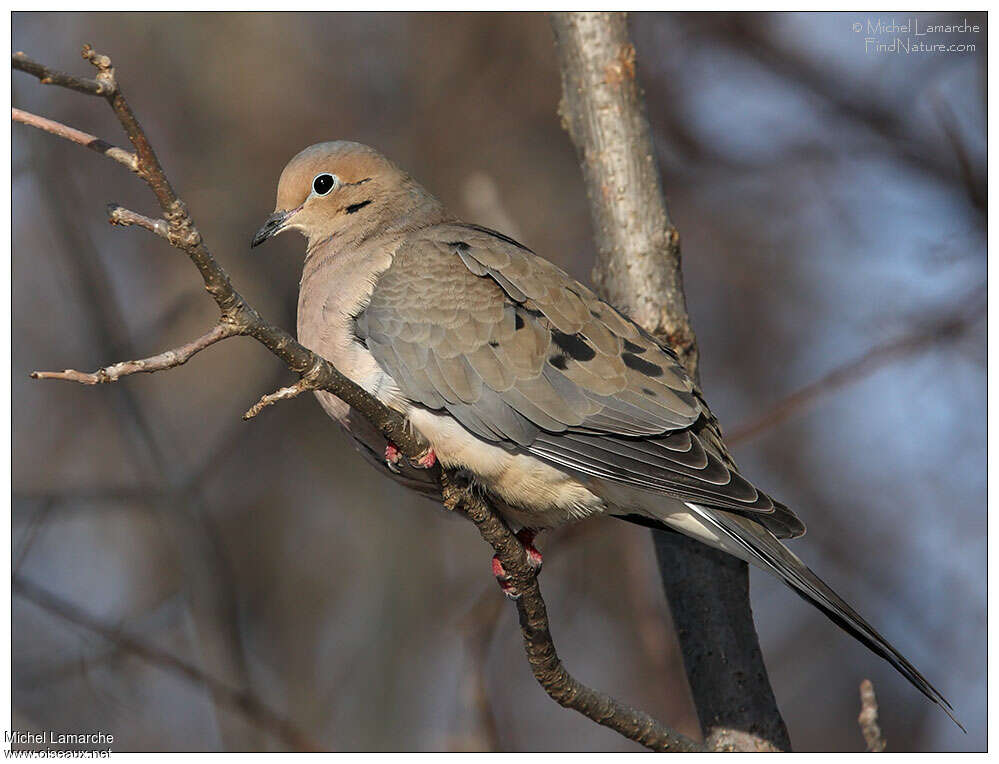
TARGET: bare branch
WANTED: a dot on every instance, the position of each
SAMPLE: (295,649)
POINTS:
(868,719)
(285,393)
(638,269)
(541,655)
(165,360)
(853,371)
(92,142)
(238,700)
(54,77)
(184,235)
(118,215)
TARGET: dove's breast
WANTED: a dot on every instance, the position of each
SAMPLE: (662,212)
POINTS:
(336,285)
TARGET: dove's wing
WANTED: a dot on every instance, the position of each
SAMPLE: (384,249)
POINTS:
(469,321)
(523,355)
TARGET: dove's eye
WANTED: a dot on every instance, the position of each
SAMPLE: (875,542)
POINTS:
(324,183)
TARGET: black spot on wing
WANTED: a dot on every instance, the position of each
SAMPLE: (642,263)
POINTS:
(461,246)
(350,209)
(640,365)
(575,346)
(558,361)
(631,347)
(647,391)
(518,321)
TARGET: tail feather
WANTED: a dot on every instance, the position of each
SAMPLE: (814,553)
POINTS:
(761,548)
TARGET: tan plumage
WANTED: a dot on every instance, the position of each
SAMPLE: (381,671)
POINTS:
(557,404)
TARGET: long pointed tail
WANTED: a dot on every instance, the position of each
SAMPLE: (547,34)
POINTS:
(762,549)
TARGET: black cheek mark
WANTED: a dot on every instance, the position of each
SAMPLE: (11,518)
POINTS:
(352,208)
(558,361)
(640,365)
(573,346)
(518,321)
(631,347)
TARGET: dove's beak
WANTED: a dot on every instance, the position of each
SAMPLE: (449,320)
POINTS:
(274,225)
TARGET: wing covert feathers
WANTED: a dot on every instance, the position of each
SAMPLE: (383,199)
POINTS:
(523,355)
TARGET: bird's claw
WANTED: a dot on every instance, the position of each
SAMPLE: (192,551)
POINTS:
(534,559)
(426,461)
(392,457)
(503,579)
(527,536)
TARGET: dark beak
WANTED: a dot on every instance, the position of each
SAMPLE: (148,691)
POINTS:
(273,225)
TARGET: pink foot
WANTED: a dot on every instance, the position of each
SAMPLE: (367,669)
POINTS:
(504,580)
(526,537)
(392,456)
(428,460)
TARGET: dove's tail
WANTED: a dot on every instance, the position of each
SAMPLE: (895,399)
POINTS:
(756,545)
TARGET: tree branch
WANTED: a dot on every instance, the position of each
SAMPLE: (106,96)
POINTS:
(534,626)
(238,317)
(92,142)
(165,360)
(638,269)
(868,719)
(239,700)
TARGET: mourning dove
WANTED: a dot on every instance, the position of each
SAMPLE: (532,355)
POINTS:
(556,404)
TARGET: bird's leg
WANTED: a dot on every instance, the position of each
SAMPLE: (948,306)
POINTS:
(392,456)
(526,536)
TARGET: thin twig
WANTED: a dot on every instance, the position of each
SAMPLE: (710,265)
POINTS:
(92,142)
(852,371)
(239,317)
(118,215)
(283,394)
(54,77)
(168,359)
(868,719)
(239,700)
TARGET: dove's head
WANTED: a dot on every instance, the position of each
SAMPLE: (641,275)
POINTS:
(347,190)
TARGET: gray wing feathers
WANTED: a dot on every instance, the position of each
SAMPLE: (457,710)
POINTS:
(469,321)
(552,352)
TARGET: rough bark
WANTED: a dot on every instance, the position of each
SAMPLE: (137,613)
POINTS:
(639,270)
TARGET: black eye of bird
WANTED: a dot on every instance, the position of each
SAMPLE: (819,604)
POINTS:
(323,183)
